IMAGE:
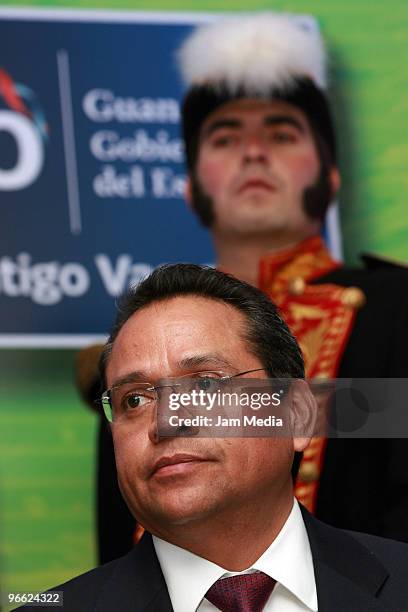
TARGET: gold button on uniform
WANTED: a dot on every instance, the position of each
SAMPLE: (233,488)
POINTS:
(353,297)
(308,472)
(297,286)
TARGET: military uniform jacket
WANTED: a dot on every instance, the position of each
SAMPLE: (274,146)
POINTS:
(364,483)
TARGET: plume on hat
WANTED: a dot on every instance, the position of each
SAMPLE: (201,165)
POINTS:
(255,53)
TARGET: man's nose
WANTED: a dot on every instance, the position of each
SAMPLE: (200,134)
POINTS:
(153,427)
(255,149)
(161,427)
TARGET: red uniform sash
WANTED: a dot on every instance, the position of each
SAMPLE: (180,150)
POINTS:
(321,317)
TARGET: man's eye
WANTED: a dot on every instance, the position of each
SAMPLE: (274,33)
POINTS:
(133,401)
(206,383)
(284,137)
(223,140)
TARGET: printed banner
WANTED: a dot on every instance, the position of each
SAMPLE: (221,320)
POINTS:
(92,170)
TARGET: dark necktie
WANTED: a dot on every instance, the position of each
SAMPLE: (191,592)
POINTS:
(242,593)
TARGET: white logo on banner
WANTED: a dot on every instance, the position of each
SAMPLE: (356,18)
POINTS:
(30,152)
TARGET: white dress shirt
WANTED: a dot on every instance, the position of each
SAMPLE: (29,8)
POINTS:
(288,560)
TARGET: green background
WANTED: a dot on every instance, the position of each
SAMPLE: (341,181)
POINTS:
(47,435)
(46,471)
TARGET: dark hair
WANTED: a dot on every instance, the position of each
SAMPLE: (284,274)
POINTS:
(267,334)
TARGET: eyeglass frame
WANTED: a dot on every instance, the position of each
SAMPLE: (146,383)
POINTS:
(106,395)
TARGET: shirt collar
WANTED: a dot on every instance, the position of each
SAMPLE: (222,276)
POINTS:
(288,560)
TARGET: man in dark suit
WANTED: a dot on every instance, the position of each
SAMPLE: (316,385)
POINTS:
(261,155)
(223,529)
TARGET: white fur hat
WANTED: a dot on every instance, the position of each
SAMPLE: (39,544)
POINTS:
(266,55)
(254,53)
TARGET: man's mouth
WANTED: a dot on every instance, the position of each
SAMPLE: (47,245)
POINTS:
(176,464)
(256,183)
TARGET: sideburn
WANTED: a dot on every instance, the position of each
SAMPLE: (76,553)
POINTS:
(203,205)
(317,197)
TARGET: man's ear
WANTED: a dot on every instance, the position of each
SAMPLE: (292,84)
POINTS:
(303,414)
(188,193)
(334,180)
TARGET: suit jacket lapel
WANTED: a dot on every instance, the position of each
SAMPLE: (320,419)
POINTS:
(348,575)
(137,584)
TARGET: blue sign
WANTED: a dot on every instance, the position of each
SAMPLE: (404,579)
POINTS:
(91,168)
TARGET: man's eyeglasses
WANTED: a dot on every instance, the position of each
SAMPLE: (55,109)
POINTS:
(130,399)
